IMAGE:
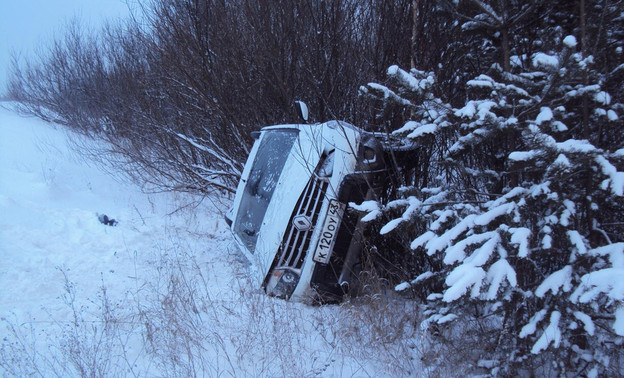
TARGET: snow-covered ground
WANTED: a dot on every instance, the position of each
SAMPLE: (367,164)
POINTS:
(162,293)
(50,199)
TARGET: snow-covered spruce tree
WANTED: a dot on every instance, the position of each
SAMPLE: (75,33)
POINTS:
(518,215)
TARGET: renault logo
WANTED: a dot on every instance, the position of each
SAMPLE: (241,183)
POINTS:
(302,223)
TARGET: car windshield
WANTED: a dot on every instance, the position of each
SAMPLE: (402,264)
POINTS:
(263,177)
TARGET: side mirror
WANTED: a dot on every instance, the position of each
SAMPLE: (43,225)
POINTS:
(255,134)
(302,110)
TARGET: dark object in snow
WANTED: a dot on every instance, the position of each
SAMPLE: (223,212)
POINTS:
(104,219)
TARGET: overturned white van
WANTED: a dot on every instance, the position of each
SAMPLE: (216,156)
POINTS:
(290,215)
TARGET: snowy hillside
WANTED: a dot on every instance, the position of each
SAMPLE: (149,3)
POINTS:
(50,199)
(161,293)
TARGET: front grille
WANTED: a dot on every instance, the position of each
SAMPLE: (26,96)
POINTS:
(295,244)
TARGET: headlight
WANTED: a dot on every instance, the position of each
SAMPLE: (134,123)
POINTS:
(369,155)
(282,282)
(327,166)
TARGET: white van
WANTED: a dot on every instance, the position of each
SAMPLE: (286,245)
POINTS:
(291,216)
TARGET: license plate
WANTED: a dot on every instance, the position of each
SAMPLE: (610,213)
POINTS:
(328,232)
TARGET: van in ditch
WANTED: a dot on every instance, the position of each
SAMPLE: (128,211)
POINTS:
(291,214)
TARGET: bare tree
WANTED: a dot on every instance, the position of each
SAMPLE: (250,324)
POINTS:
(176,94)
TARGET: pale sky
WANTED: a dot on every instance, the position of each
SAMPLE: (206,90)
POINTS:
(26,24)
